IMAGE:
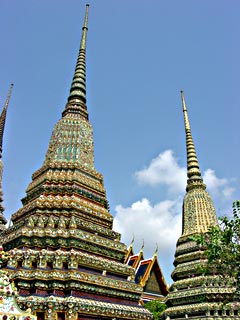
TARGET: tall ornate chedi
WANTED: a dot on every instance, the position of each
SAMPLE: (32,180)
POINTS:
(66,260)
(3,220)
(193,295)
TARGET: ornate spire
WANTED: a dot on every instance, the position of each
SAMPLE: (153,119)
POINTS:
(3,118)
(194,295)
(198,209)
(193,169)
(77,97)
(3,220)
(72,137)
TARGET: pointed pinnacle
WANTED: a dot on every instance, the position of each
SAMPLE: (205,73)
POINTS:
(3,220)
(193,169)
(186,121)
(3,118)
(84,30)
(78,86)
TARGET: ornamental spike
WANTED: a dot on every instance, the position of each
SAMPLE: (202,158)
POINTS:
(156,250)
(193,169)
(3,220)
(84,30)
(131,244)
(3,118)
(78,87)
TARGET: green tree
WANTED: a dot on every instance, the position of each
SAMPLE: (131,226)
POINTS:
(156,307)
(222,247)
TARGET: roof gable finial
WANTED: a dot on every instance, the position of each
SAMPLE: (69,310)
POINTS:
(193,169)
(141,250)
(131,244)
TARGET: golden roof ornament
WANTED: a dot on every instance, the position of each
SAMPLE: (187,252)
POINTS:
(141,250)
(156,250)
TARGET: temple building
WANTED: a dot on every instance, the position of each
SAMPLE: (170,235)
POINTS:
(61,250)
(148,274)
(193,295)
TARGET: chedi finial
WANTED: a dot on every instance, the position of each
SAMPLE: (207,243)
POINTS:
(193,169)
(77,95)
(3,220)
(3,118)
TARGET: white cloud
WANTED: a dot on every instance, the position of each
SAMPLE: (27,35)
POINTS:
(212,181)
(164,170)
(228,191)
(159,223)
(218,186)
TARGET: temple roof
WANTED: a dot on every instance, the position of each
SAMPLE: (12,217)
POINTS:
(134,259)
(147,273)
(129,253)
(145,269)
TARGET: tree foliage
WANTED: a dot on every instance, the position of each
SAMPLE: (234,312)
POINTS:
(222,247)
(156,307)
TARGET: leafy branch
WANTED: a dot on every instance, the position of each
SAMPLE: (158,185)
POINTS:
(222,247)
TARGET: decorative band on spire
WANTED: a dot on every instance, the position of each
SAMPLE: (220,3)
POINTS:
(193,169)
(78,86)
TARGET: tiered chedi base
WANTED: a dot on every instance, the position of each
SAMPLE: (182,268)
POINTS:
(195,296)
(71,280)
(63,254)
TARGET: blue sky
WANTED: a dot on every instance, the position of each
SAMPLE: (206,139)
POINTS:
(140,54)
